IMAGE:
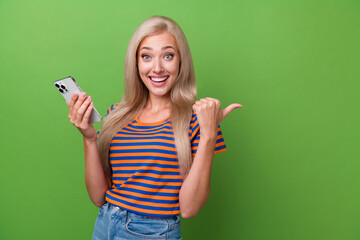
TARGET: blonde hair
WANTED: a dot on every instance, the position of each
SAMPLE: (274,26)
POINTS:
(183,95)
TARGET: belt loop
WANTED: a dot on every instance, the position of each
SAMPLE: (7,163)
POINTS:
(125,216)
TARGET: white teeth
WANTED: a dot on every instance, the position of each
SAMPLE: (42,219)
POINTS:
(159,79)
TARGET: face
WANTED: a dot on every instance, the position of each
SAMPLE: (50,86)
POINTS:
(158,63)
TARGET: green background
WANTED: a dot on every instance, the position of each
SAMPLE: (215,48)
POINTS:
(292,166)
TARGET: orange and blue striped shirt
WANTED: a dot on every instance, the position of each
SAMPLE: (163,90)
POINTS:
(146,178)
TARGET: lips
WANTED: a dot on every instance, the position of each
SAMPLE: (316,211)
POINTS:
(158,78)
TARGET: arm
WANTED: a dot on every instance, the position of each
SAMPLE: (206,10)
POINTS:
(195,189)
(95,181)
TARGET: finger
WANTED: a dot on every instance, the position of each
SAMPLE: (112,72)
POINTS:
(204,102)
(211,102)
(197,103)
(209,98)
(87,114)
(216,101)
(72,102)
(195,106)
(229,108)
(77,105)
(81,111)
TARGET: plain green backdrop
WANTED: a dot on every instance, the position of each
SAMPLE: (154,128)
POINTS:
(292,167)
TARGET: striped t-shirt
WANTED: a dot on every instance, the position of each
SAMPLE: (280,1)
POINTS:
(146,178)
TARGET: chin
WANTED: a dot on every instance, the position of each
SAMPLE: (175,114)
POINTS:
(161,94)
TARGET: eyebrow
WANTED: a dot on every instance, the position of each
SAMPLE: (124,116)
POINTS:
(164,48)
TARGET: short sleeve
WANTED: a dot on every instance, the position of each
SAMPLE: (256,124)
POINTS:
(194,135)
(108,111)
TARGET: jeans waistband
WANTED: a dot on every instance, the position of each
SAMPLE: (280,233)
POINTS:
(125,213)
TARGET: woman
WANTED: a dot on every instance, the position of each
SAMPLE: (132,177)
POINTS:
(133,170)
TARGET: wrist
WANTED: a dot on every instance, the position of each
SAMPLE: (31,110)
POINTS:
(91,140)
(208,139)
(208,135)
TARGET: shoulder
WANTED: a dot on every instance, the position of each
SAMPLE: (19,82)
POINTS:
(194,123)
(193,118)
(112,107)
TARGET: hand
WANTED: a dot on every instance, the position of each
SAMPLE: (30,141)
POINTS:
(209,114)
(79,113)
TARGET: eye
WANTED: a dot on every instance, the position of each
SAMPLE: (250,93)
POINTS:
(145,57)
(169,56)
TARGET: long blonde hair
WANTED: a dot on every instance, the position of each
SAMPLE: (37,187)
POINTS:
(183,95)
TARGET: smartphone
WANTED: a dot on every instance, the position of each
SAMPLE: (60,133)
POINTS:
(68,86)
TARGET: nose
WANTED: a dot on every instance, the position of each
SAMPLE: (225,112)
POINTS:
(157,66)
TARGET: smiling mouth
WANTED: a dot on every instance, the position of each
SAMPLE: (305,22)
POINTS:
(158,79)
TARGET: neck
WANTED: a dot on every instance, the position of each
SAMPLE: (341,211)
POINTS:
(158,103)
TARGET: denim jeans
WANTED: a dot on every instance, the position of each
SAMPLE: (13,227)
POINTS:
(114,223)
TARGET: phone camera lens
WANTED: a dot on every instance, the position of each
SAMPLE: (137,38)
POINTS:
(60,90)
(63,87)
(57,85)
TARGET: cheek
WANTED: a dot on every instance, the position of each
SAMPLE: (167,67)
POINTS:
(173,67)
(143,68)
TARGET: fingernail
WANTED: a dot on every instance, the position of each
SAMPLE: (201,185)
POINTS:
(88,98)
(83,94)
(91,103)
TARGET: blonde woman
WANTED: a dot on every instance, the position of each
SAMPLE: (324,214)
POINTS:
(148,162)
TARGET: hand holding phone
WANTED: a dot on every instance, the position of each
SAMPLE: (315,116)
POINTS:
(81,109)
(67,87)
